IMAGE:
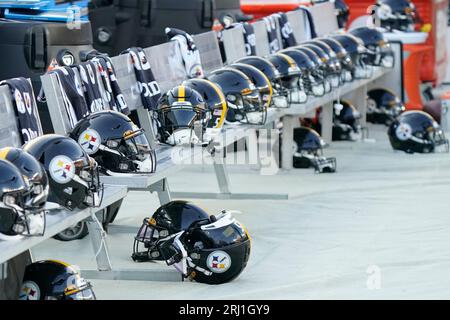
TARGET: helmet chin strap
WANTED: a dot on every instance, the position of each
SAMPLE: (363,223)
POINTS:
(182,265)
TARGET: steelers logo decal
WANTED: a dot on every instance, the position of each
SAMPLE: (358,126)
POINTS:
(218,261)
(30,291)
(61,169)
(90,141)
(403,131)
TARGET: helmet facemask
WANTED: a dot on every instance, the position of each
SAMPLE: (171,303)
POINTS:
(335,71)
(149,236)
(280,95)
(294,85)
(440,142)
(132,153)
(248,107)
(177,123)
(88,175)
(310,154)
(21,215)
(347,68)
(77,289)
(313,83)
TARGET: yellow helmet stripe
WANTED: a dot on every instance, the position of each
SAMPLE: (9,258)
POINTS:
(4,152)
(224,103)
(181,94)
(270,88)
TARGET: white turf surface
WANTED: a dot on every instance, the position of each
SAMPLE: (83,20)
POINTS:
(382,221)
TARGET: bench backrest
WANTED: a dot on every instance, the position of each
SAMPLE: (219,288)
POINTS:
(233,43)
(9,132)
(297,21)
(262,40)
(208,46)
(325,19)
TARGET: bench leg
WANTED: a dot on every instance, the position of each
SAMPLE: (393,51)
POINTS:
(221,171)
(327,122)
(162,188)
(99,243)
(224,184)
(287,144)
(4,271)
(358,98)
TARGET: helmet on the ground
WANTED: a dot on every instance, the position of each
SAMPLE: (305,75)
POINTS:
(204,248)
(309,151)
(416,131)
(383,106)
(346,124)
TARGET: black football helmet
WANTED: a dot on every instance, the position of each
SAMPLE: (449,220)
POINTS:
(396,14)
(20,213)
(346,122)
(244,101)
(73,175)
(54,280)
(115,142)
(290,77)
(216,104)
(309,151)
(379,51)
(357,51)
(343,57)
(259,79)
(204,248)
(416,131)
(178,111)
(318,77)
(168,220)
(217,250)
(280,94)
(32,170)
(311,82)
(383,106)
(332,65)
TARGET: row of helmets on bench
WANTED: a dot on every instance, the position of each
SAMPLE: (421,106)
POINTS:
(108,142)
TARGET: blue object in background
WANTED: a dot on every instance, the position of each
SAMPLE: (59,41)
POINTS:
(48,10)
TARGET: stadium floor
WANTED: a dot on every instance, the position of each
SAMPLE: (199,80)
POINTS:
(377,229)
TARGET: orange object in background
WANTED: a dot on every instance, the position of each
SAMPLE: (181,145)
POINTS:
(262,8)
(433,12)
(413,57)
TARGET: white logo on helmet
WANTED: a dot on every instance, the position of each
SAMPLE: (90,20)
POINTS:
(403,131)
(218,261)
(30,291)
(90,141)
(61,169)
